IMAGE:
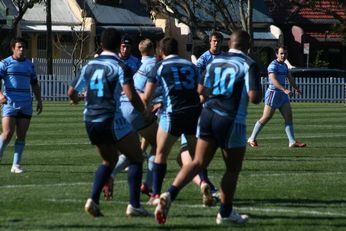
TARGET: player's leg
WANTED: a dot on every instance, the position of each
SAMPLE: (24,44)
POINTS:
(165,142)
(205,150)
(233,154)
(286,112)
(22,126)
(101,135)
(130,146)
(8,128)
(233,159)
(271,99)
(149,134)
(267,114)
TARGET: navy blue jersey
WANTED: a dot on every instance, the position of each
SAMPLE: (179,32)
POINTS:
(179,79)
(229,78)
(102,78)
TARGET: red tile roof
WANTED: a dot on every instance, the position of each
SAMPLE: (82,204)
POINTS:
(284,10)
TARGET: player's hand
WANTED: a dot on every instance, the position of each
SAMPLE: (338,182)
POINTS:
(39,107)
(298,91)
(288,92)
(3,99)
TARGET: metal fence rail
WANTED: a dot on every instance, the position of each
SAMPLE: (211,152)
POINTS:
(328,90)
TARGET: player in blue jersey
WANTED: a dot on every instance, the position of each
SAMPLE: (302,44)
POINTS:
(215,42)
(103,79)
(125,54)
(17,75)
(210,193)
(147,129)
(277,97)
(231,80)
(181,106)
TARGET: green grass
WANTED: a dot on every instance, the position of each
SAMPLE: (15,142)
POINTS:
(280,188)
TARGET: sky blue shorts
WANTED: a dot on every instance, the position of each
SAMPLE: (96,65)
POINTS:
(17,109)
(276,99)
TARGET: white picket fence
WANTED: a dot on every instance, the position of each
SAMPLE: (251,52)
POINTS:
(327,90)
(317,89)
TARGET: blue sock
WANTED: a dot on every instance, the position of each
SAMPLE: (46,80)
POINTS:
(3,146)
(212,186)
(122,163)
(18,152)
(257,128)
(290,133)
(203,175)
(134,179)
(149,177)
(173,191)
(102,174)
(159,172)
(225,209)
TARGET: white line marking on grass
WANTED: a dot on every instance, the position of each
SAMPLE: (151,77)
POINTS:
(243,209)
(295,174)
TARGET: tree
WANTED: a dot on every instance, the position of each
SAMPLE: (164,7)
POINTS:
(22,6)
(200,15)
(80,39)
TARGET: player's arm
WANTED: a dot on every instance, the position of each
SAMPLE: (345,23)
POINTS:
(133,97)
(37,93)
(292,81)
(276,83)
(3,99)
(255,86)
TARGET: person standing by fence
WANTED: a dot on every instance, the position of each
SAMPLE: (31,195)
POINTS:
(17,74)
(277,97)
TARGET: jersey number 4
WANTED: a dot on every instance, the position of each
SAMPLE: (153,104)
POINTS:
(96,82)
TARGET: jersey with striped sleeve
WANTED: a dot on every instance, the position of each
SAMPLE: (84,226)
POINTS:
(102,78)
(281,72)
(178,78)
(205,59)
(17,75)
(230,77)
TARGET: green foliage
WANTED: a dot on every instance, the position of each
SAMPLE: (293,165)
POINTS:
(280,188)
(318,61)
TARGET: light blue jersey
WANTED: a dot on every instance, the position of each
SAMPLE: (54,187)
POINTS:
(229,78)
(141,76)
(17,76)
(281,72)
(205,59)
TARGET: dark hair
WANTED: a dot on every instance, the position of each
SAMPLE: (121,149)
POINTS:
(216,34)
(169,46)
(278,47)
(125,39)
(240,39)
(18,40)
(110,39)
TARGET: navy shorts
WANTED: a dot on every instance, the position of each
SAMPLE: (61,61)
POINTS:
(101,132)
(223,129)
(184,122)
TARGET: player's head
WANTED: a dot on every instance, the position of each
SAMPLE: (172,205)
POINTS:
(215,41)
(125,46)
(18,46)
(168,46)
(281,54)
(240,40)
(110,39)
(146,47)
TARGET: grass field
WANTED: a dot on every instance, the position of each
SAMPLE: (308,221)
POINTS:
(280,188)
